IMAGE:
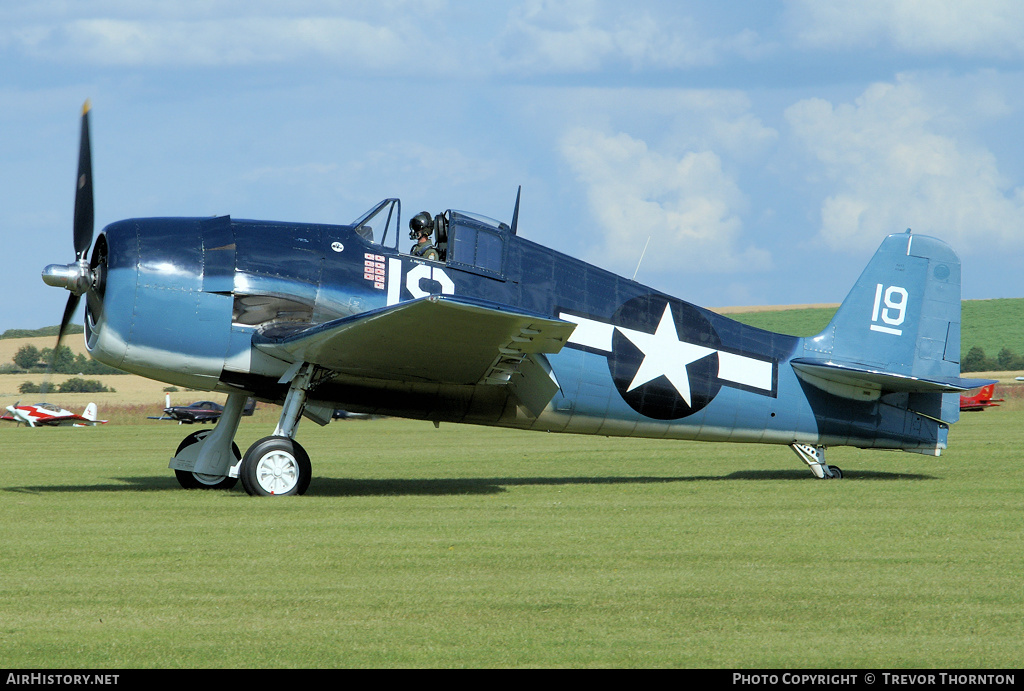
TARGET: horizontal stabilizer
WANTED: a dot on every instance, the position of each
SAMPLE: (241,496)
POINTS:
(863,383)
(438,339)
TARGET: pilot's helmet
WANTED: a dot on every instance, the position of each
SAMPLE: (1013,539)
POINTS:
(420,224)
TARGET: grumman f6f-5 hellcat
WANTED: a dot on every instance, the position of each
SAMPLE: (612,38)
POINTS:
(476,324)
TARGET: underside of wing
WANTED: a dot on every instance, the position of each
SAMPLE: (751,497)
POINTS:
(68,420)
(439,339)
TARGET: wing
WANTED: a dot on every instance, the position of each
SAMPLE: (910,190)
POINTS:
(439,339)
(75,420)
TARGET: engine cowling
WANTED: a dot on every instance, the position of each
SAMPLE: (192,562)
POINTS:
(157,308)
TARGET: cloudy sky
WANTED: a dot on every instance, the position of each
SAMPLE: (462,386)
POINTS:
(763,149)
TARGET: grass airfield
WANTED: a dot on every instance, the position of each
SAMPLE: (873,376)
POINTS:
(474,547)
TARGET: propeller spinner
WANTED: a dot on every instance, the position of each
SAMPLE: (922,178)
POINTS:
(77,277)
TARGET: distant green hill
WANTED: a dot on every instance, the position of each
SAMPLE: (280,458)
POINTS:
(807,321)
(987,324)
(992,325)
(45,331)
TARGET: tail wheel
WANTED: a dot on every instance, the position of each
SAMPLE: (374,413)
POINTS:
(275,466)
(190,480)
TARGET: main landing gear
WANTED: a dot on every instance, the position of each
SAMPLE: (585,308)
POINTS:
(814,457)
(274,466)
(192,480)
(204,459)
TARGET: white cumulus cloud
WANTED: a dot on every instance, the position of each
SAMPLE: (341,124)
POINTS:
(687,206)
(575,36)
(893,166)
(990,28)
(116,34)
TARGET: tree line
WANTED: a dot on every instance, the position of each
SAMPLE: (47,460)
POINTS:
(72,385)
(45,331)
(1005,361)
(32,359)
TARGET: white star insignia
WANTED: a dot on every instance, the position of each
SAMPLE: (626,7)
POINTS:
(665,355)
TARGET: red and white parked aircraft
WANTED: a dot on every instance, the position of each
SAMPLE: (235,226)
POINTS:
(981,400)
(49,414)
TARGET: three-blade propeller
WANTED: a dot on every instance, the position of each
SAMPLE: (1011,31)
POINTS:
(83,192)
(76,277)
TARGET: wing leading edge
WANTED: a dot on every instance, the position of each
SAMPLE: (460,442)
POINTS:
(438,339)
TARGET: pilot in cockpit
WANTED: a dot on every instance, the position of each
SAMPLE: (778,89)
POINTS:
(420,227)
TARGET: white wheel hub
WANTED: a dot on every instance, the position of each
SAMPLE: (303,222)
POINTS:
(277,472)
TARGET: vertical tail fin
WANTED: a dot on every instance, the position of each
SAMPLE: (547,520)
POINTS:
(903,315)
(90,412)
(897,337)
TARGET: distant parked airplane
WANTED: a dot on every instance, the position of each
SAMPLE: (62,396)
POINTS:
(51,415)
(199,411)
(981,400)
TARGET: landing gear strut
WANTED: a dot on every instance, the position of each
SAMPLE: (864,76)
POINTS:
(814,457)
(192,480)
(274,466)
(205,459)
(277,465)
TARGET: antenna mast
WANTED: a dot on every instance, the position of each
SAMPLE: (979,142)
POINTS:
(641,257)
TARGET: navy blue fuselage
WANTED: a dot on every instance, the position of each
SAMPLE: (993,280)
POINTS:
(183,297)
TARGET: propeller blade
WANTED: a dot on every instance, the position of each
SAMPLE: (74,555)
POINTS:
(83,193)
(69,311)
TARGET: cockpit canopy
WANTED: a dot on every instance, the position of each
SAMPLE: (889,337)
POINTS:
(468,240)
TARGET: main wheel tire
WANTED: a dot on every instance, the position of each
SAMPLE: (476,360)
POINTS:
(837,474)
(190,480)
(275,466)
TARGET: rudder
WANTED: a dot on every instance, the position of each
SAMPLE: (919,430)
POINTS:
(902,316)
